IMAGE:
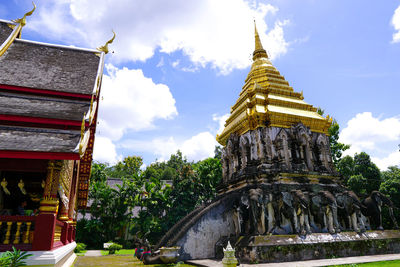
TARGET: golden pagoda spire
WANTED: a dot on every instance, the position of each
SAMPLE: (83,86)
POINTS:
(259,51)
(267,100)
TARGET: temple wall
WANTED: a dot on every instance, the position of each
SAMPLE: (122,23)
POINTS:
(199,241)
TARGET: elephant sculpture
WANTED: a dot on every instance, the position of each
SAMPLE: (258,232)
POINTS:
(350,207)
(325,208)
(288,210)
(373,209)
(301,204)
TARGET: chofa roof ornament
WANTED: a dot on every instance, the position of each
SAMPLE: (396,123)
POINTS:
(104,48)
(22,20)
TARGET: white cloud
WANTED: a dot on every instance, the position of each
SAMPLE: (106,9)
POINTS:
(131,101)
(197,147)
(396,25)
(373,135)
(221,121)
(216,33)
(104,150)
(393,159)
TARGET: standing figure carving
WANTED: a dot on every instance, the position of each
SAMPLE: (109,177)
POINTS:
(283,150)
(324,156)
(305,150)
(244,148)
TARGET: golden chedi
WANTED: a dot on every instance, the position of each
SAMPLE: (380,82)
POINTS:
(267,99)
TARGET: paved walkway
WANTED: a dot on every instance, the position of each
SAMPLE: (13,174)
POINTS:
(93,253)
(312,263)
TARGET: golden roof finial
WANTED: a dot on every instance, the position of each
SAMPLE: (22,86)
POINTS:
(259,51)
(22,20)
(104,48)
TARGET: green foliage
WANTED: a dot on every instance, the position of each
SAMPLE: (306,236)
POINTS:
(357,183)
(113,248)
(14,258)
(346,167)
(390,186)
(128,167)
(98,172)
(218,152)
(336,147)
(79,247)
(164,193)
(364,166)
(360,173)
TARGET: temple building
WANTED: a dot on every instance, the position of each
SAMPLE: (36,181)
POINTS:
(49,98)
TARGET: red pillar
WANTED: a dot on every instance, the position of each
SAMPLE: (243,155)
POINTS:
(70,230)
(65,233)
(43,238)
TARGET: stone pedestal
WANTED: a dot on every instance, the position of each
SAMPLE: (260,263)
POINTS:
(278,248)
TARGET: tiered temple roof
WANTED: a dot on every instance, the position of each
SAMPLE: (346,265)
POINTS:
(267,100)
(48,101)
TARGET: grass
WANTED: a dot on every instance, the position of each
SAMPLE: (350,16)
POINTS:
(120,252)
(82,253)
(118,260)
(394,263)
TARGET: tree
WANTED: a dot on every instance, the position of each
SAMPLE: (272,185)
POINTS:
(337,148)
(357,183)
(346,167)
(390,185)
(360,173)
(128,167)
(98,172)
(364,166)
(209,172)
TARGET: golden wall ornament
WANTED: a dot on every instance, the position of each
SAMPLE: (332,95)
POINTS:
(4,186)
(21,185)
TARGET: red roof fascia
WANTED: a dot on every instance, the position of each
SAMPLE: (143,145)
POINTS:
(46,121)
(39,155)
(44,92)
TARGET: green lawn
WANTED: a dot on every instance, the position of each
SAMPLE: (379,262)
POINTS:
(395,263)
(82,253)
(118,260)
(120,252)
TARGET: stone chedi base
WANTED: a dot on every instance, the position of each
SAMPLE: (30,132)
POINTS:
(318,246)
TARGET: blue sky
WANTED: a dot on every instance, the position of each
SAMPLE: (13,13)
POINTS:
(179,65)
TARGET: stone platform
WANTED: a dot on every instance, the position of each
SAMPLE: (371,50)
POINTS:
(278,248)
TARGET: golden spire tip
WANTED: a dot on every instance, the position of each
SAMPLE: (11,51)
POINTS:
(259,51)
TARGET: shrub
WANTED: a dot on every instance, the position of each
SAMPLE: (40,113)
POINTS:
(14,258)
(80,247)
(114,247)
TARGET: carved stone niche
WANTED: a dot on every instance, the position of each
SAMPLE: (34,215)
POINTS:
(302,137)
